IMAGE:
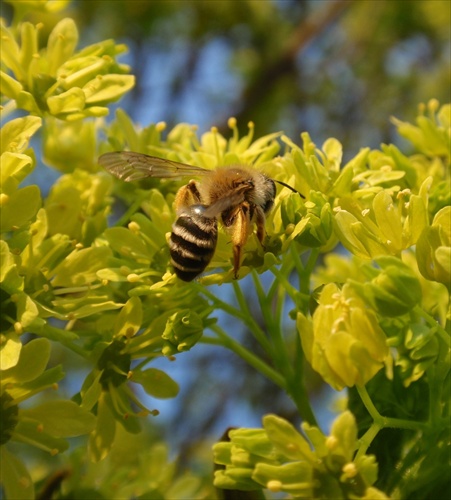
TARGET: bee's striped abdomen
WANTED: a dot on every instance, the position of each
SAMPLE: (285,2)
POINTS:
(193,242)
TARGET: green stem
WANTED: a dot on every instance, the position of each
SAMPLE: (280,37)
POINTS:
(272,318)
(382,421)
(434,324)
(368,402)
(297,388)
(367,439)
(309,267)
(129,212)
(224,340)
(289,366)
(243,314)
(298,393)
(435,394)
(400,423)
(282,357)
(282,279)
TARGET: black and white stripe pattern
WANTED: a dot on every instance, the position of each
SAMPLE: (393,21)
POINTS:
(193,242)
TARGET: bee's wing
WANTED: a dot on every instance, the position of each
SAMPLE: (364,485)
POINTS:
(129,166)
(219,206)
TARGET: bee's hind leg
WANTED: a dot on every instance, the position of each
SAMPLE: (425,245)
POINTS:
(240,233)
(260,220)
(187,195)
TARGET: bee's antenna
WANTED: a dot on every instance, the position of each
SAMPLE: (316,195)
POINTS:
(289,187)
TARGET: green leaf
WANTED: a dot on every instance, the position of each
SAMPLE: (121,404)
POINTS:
(396,289)
(25,100)
(71,101)
(101,439)
(11,53)
(343,184)
(14,477)
(107,88)
(29,46)
(128,244)
(388,219)
(70,146)
(20,207)
(9,350)
(156,383)
(344,429)
(91,394)
(317,438)
(417,220)
(15,167)
(185,487)
(28,313)
(15,135)
(90,309)
(287,439)
(334,154)
(64,210)
(130,318)
(235,478)
(443,259)
(345,223)
(295,478)
(254,441)
(80,267)
(61,418)
(79,70)
(32,361)
(10,280)
(47,379)
(427,245)
(10,87)
(61,44)
(30,432)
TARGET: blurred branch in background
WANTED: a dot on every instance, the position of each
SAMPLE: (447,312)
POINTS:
(284,64)
(334,68)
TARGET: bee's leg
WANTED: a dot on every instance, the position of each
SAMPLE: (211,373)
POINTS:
(240,232)
(260,220)
(187,195)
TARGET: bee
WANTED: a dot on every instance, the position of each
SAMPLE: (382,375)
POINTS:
(238,196)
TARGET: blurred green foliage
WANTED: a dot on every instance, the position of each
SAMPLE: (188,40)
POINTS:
(363,259)
(336,69)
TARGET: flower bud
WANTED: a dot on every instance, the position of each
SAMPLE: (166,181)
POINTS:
(183,330)
(433,249)
(396,290)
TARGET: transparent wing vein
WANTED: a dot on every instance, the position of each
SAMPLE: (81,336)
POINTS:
(129,166)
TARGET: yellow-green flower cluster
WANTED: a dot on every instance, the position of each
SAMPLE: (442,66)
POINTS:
(396,292)
(45,425)
(280,459)
(19,205)
(57,79)
(137,467)
(343,341)
(433,249)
